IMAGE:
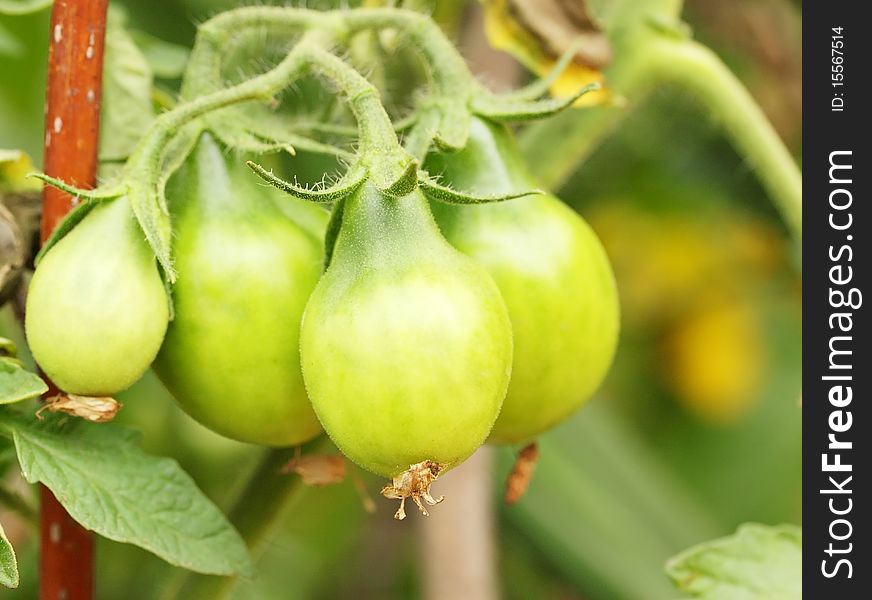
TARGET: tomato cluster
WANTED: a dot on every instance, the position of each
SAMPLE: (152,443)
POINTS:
(434,328)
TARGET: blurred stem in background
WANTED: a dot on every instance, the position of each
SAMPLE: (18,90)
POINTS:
(457,541)
(555,147)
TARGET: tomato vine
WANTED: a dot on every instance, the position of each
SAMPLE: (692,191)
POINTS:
(437,324)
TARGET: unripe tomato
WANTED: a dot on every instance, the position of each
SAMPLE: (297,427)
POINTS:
(96,308)
(245,271)
(552,272)
(406,344)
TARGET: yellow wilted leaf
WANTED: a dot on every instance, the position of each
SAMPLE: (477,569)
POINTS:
(538,32)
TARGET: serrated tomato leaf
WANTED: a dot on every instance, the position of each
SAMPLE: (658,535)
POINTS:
(109,485)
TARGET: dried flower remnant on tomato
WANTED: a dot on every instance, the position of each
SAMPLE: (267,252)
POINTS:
(91,408)
(414,483)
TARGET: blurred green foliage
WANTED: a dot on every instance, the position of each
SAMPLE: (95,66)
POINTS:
(654,464)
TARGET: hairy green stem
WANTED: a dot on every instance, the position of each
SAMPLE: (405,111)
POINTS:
(451,76)
(146,158)
(379,147)
(554,148)
(378,141)
(234,29)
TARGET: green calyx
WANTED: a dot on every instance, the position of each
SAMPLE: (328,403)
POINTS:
(442,117)
(322,194)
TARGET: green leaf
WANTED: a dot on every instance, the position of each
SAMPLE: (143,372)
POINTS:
(8,564)
(756,563)
(106,483)
(150,210)
(449,195)
(22,7)
(342,188)
(167,60)
(16,383)
(127,109)
(7,455)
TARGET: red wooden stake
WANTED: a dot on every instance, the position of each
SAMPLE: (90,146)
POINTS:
(72,120)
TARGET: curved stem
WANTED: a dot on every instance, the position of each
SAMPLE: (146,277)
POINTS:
(377,136)
(555,147)
(378,140)
(146,158)
(224,33)
(451,76)
(699,70)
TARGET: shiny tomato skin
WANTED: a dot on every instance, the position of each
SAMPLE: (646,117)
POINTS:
(406,344)
(245,272)
(96,307)
(552,272)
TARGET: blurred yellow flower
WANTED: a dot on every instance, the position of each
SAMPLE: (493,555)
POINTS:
(714,359)
(692,280)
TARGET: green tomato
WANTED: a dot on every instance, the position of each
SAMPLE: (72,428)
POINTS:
(552,272)
(96,307)
(406,343)
(231,355)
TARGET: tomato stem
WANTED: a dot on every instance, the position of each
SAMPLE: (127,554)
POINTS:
(72,119)
(699,70)
(554,148)
(450,73)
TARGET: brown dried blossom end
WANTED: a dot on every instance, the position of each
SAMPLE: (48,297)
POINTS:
(522,473)
(414,483)
(96,409)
